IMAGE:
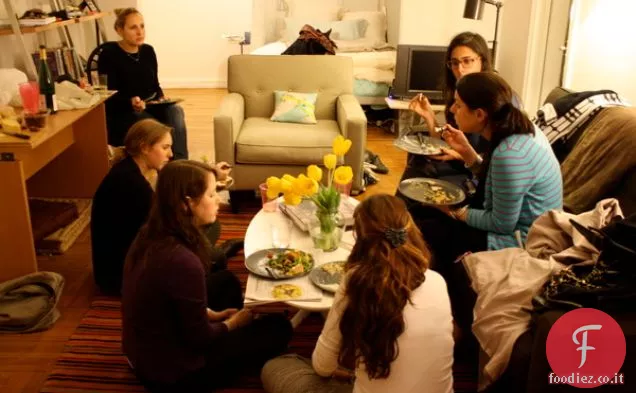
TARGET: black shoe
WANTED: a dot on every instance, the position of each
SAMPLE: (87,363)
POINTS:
(374,159)
(231,247)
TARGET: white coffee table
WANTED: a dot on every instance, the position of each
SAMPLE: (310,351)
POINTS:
(258,237)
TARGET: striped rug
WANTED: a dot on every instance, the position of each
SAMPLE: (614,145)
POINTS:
(93,360)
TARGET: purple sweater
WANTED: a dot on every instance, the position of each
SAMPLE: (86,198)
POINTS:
(166,331)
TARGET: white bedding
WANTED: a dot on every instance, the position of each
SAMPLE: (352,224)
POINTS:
(374,66)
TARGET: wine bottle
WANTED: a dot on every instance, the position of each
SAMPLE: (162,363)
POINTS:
(47,85)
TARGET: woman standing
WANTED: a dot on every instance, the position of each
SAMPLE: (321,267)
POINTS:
(132,70)
(391,319)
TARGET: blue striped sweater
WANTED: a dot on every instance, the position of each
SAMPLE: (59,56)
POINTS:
(523,182)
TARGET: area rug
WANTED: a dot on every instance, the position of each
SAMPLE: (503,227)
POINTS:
(93,360)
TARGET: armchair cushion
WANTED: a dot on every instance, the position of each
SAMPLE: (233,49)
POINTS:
(295,107)
(262,141)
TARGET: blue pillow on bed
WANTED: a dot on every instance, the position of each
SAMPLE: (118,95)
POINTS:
(347,30)
(294,107)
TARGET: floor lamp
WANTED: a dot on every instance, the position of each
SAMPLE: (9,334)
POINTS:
(474,9)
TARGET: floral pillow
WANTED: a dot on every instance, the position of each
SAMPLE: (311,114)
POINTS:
(294,107)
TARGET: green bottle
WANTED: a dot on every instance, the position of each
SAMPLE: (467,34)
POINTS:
(47,85)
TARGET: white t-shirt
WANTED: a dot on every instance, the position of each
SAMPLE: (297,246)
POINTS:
(425,360)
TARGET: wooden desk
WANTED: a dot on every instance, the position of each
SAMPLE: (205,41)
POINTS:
(66,159)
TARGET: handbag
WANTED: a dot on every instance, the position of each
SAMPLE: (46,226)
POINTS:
(609,284)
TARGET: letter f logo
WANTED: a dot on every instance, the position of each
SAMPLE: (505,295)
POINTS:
(584,347)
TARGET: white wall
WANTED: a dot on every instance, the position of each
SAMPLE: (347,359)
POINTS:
(601,50)
(187,38)
(435,22)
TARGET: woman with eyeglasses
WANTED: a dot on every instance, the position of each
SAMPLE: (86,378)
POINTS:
(467,53)
(131,68)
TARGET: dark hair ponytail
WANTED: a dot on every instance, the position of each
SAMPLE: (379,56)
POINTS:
(491,93)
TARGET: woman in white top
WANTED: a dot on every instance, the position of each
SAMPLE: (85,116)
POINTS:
(391,319)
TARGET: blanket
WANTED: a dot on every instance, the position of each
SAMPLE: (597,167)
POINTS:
(28,303)
(601,161)
(506,280)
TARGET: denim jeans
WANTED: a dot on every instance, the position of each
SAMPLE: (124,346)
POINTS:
(170,115)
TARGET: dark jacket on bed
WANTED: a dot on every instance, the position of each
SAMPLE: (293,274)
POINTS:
(120,207)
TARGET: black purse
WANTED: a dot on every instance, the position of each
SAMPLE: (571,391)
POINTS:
(609,284)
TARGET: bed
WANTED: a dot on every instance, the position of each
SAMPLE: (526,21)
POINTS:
(366,31)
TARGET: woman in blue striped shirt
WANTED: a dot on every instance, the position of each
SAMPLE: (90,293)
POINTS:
(521,173)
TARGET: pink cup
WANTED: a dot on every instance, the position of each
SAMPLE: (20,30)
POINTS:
(30,94)
(269,205)
(345,189)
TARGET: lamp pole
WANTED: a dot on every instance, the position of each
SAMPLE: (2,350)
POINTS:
(497,4)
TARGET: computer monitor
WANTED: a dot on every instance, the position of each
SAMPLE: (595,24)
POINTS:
(419,69)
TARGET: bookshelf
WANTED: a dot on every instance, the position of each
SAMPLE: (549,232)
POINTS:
(54,25)
(61,26)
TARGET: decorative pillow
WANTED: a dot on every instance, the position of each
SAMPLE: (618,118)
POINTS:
(294,107)
(376,29)
(348,30)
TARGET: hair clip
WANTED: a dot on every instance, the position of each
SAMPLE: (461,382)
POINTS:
(396,237)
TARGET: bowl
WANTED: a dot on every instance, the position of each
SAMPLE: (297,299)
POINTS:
(35,121)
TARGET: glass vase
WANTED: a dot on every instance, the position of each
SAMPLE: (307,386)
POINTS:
(326,229)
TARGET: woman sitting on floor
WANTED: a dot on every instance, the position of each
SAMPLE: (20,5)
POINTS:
(131,67)
(520,172)
(176,338)
(390,318)
(123,199)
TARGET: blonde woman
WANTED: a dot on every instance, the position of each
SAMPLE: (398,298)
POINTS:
(132,70)
(124,197)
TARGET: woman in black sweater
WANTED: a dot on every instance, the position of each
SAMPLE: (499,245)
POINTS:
(131,67)
(123,199)
(178,336)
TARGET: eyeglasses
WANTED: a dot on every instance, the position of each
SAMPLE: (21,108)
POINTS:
(464,61)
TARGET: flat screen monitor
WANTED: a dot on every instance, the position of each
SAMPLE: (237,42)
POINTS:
(419,69)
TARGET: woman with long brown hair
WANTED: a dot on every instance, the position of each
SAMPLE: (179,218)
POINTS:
(174,336)
(391,318)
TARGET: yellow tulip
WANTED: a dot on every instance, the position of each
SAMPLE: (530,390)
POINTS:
(291,198)
(341,145)
(273,187)
(330,161)
(305,186)
(314,172)
(286,185)
(343,175)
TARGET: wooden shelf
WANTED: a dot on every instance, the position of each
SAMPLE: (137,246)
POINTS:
(54,25)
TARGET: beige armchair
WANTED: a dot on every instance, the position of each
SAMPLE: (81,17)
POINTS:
(257,147)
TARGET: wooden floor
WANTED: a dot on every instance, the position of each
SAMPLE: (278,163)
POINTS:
(25,360)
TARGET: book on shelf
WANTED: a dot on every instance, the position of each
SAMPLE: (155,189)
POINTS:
(303,213)
(30,22)
(61,61)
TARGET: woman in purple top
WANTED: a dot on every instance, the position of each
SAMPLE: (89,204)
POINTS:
(173,341)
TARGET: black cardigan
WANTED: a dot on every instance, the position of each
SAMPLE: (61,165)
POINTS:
(120,207)
(130,74)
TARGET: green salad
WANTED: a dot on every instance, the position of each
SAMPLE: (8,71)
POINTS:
(290,262)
